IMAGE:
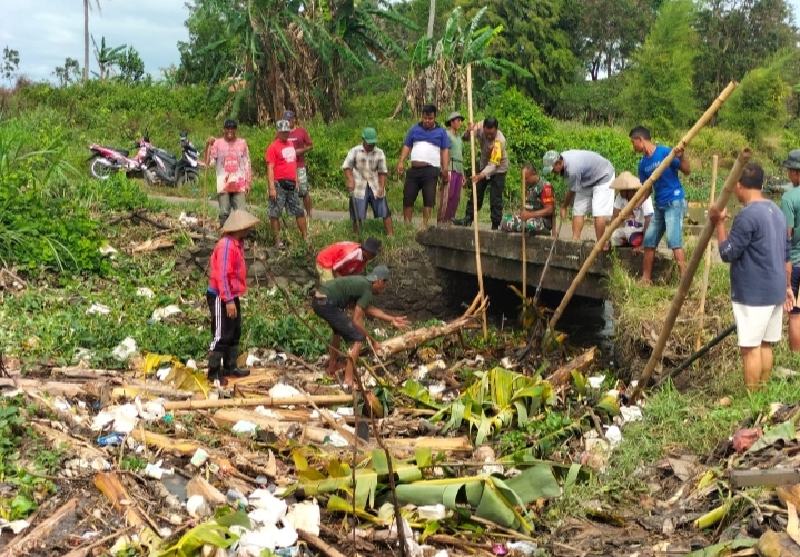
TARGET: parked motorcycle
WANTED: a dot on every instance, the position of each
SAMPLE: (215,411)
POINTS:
(162,167)
(106,161)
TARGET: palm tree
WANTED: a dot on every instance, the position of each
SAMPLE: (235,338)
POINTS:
(86,37)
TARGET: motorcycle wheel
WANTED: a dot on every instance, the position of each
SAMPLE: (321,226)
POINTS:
(150,176)
(189,178)
(101,168)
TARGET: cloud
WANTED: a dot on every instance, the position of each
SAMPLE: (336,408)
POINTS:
(45,37)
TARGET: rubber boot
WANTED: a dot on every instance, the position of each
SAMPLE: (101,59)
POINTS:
(215,367)
(466,221)
(231,369)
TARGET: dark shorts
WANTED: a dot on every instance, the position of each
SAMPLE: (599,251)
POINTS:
(288,199)
(420,178)
(337,318)
(358,207)
(795,286)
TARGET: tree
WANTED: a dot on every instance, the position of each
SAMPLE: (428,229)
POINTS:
(107,57)
(759,103)
(606,32)
(292,53)
(438,70)
(737,36)
(533,38)
(70,72)
(86,36)
(10,63)
(658,87)
(131,66)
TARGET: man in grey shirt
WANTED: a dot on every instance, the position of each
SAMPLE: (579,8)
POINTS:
(494,166)
(589,177)
(757,248)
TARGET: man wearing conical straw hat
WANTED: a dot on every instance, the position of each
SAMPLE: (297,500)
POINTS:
(227,282)
(632,232)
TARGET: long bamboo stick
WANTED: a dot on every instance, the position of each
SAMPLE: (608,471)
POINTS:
(478,266)
(636,200)
(686,279)
(524,233)
(256,401)
(698,342)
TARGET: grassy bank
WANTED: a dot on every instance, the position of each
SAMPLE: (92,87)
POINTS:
(691,419)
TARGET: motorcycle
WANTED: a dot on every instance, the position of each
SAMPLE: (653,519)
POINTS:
(162,167)
(106,161)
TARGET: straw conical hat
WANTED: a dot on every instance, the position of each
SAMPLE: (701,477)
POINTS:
(626,181)
(239,219)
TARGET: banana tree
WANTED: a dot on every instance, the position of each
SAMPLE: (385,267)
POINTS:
(107,57)
(437,72)
(293,54)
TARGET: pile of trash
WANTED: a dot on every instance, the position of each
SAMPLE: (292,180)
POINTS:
(284,463)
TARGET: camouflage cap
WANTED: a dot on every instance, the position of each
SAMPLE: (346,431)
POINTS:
(792,160)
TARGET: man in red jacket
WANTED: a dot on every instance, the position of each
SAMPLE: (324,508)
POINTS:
(227,281)
(346,258)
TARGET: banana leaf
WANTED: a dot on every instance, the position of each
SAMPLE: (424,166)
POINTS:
(501,501)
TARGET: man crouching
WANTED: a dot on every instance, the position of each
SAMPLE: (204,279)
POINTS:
(331,300)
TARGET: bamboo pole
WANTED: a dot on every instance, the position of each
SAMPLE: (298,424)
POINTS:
(707,263)
(256,401)
(686,279)
(636,200)
(478,266)
(524,233)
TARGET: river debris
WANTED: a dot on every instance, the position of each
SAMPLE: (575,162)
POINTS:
(280,463)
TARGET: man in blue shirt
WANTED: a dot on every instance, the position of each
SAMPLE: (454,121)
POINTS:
(758,250)
(669,199)
(428,146)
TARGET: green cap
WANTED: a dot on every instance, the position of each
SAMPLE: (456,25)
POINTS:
(369,135)
(381,272)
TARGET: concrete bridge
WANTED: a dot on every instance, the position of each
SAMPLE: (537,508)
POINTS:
(453,249)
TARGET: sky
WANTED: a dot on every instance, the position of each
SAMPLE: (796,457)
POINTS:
(51,31)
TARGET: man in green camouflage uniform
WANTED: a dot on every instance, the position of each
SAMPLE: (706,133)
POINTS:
(539,206)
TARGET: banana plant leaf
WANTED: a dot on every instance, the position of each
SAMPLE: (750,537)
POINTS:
(339,477)
(180,376)
(501,501)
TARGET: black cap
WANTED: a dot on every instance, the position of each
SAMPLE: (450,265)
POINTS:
(230,123)
(372,245)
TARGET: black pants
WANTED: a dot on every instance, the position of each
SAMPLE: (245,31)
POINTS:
(341,323)
(496,184)
(226,332)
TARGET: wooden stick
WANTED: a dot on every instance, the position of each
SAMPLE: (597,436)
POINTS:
(319,544)
(322,400)
(478,266)
(524,233)
(698,342)
(22,544)
(686,279)
(636,200)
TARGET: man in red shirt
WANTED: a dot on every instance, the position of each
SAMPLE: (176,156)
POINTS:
(227,281)
(346,258)
(298,136)
(281,161)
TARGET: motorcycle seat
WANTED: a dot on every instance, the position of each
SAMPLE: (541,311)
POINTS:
(166,155)
(123,152)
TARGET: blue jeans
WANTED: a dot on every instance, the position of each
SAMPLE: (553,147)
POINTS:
(667,219)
